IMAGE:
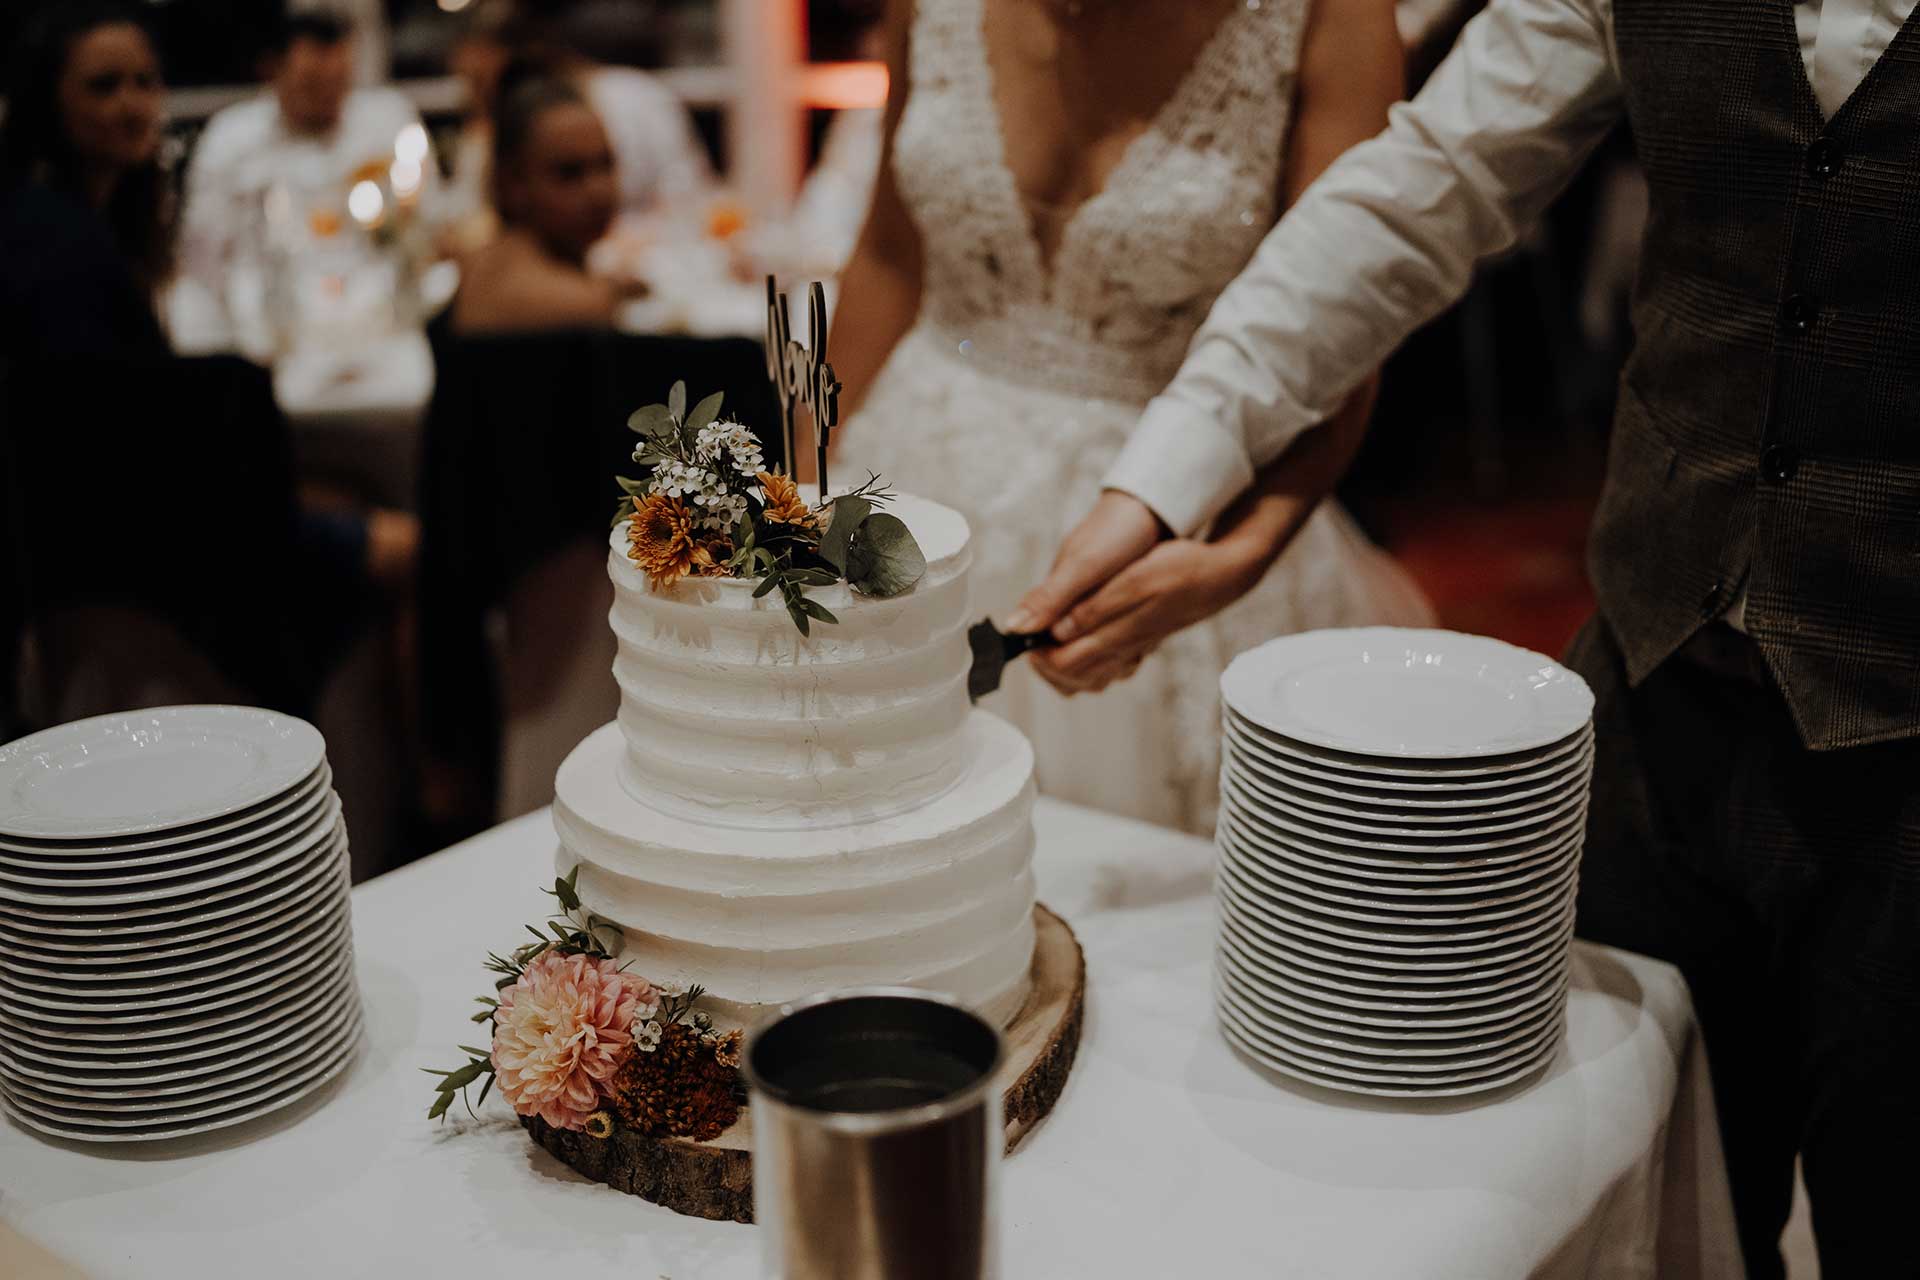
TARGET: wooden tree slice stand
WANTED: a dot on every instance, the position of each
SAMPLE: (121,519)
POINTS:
(715,1179)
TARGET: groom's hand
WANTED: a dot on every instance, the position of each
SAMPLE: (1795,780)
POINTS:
(1117,532)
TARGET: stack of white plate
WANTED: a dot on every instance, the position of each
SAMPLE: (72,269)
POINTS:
(176,952)
(1400,829)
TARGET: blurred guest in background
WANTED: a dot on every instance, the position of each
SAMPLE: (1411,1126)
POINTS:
(663,169)
(555,184)
(312,131)
(85,226)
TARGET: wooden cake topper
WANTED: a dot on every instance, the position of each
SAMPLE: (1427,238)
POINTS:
(801,375)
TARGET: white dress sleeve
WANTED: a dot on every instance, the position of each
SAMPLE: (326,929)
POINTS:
(1386,239)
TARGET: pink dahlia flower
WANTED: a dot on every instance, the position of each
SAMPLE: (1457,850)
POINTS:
(558,1032)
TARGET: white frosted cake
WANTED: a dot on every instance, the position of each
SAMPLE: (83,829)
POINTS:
(775,815)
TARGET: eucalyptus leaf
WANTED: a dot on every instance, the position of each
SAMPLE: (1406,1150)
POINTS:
(767,584)
(848,515)
(485,1015)
(677,402)
(563,889)
(814,609)
(814,577)
(885,560)
(651,421)
(705,412)
(799,620)
(440,1105)
(486,1089)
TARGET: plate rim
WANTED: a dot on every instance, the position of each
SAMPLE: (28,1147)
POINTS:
(301,742)
(1287,654)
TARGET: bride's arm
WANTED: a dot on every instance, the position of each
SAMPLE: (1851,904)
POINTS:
(880,289)
(1350,73)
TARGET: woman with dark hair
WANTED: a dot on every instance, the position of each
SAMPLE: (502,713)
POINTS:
(555,186)
(85,209)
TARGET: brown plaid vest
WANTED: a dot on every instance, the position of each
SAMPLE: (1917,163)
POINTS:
(1769,422)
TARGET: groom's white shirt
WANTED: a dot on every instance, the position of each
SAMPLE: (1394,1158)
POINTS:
(1389,235)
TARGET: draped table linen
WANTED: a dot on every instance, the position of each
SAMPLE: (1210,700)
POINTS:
(1167,1155)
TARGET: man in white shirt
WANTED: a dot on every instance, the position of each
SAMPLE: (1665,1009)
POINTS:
(311,131)
(1756,556)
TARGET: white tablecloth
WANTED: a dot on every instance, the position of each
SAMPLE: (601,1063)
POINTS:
(1168,1155)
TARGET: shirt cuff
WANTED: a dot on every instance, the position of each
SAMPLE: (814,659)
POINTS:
(1183,466)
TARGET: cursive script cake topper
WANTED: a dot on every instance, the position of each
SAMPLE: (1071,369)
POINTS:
(801,375)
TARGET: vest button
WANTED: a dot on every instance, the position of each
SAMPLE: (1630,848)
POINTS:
(1799,313)
(1823,158)
(1779,463)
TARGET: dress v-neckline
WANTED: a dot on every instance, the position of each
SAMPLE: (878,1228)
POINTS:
(1809,96)
(1034,264)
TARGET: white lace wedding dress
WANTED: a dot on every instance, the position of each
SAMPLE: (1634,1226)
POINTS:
(1021,379)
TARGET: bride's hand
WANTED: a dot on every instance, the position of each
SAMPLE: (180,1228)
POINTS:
(1115,534)
(1176,584)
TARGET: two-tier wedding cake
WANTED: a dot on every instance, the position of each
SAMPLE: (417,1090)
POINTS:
(776,814)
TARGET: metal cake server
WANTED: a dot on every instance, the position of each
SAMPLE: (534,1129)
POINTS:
(993,650)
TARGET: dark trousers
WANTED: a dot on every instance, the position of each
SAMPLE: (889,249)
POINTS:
(1785,885)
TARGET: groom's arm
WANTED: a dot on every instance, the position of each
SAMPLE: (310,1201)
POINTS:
(1383,242)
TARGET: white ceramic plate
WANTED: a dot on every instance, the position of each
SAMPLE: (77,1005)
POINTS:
(327,948)
(182,1038)
(290,1011)
(163,959)
(181,844)
(1336,966)
(1389,1017)
(1260,816)
(1501,770)
(1463,895)
(1396,927)
(1456,965)
(146,771)
(83,1091)
(1390,947)
(175,892)
(1362,879)
(80,875)
(171,914)
(1272,981)
(159,990)
(135,938)
(1394,1084)
(1410,874)
(1363,820)
(1384,789)
(1293,1070)
(1412,1058)
(1271,963)
(157,1123)
(1395,863)
(1402,692)
(1464,809)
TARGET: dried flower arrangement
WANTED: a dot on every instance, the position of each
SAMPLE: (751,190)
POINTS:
(706,506)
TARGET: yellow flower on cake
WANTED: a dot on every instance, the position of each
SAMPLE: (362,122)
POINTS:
(784,504)
(661,539)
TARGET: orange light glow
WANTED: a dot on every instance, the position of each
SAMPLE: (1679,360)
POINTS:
(838,86)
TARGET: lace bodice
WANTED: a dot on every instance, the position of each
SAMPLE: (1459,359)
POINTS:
(1140,263)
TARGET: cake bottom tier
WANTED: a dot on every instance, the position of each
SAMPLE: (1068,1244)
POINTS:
(939,898)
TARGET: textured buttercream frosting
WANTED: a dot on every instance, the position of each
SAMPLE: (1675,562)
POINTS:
(732,717)
(775,815)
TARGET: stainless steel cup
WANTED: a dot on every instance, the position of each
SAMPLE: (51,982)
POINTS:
(877,1137)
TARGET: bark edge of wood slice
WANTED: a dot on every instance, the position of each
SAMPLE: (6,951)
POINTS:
(715,1179)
